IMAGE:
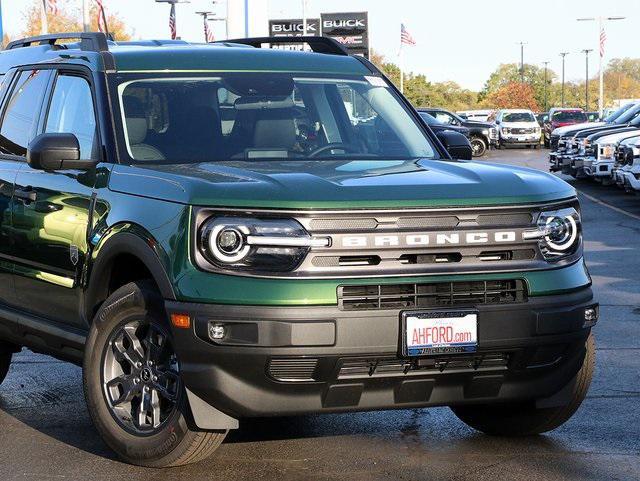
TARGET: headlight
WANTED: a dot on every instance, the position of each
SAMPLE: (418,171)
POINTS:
(536,130)
(559,233)
(249,244)
(506,130)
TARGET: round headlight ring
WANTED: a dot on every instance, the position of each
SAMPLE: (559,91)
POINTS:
(228,244)
(569,233)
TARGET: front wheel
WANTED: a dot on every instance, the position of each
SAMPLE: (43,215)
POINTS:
(6,353)
(478,146)
(133,387)
(524,419)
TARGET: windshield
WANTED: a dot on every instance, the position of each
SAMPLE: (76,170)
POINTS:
(518,117)
(429,119)
(629,115)
(247,116)
(617,113)
(569,116)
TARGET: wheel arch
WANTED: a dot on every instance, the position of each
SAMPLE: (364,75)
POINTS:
(134,247)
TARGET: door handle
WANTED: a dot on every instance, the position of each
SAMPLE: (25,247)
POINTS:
(26,194)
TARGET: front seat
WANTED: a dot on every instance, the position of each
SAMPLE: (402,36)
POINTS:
(274,129)
(137,131)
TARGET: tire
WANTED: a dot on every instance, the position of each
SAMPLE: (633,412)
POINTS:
(6,353)
(524,419)
(128,333)
(478,146)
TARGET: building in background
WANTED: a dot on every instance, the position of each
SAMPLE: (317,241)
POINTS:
(247,18)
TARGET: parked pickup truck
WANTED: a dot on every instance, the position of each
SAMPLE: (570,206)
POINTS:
(223,232)
(482,135)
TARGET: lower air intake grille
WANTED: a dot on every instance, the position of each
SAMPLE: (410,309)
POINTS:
(441,294)
(363,368)
(292,369)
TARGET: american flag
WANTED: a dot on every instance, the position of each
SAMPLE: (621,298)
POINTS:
(52,7)
(172,22)
(208,33)
(603,40)
(102,21)
(405,36)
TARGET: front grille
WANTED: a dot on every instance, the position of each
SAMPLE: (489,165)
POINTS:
(430,295)
(292,369)
(390,367)
(522,131)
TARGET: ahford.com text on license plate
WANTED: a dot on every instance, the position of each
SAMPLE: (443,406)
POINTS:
(441,333)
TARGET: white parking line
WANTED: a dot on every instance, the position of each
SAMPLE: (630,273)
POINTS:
(612,207)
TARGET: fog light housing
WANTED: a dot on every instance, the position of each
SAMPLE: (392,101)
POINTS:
(217,332)
(591,315)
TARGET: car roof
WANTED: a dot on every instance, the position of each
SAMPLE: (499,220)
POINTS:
(516,111)
(179,56)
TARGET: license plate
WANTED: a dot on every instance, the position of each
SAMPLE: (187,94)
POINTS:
(439,332)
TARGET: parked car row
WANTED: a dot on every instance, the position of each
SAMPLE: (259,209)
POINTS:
(607,151)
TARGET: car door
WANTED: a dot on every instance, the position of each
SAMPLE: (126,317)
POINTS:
(24,91)
(50,224)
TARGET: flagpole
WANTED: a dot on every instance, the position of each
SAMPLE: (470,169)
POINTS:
(400,64)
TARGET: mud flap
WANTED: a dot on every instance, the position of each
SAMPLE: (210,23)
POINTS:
(207,417)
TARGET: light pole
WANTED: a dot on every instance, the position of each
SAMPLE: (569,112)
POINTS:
(86,21)
(522,44)
(601,39)
(546,65)
(586,53)
(563,55)
(214,18)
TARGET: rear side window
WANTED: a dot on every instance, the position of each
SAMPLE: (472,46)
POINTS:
(23,110)
(72,112)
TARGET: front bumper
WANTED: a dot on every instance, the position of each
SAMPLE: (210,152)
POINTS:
(524,139)
(629,181)
(600,169)
(295,360)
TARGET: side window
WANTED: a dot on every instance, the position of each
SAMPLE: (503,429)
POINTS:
(72,112)
(22,112)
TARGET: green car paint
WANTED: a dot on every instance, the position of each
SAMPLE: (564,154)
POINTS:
(154,202)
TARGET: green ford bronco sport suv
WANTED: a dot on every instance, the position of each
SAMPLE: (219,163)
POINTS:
(217,232)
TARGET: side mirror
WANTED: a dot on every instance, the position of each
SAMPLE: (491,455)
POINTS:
(497,122)
(55,151)
(456,144)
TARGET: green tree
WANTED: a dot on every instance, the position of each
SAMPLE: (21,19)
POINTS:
(509,73)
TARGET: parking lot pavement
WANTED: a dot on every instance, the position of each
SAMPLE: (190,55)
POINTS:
(45,431)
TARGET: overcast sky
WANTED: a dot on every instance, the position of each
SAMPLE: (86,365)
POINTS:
(459,40)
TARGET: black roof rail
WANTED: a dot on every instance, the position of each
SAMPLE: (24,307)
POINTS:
(89,41)
(318,44)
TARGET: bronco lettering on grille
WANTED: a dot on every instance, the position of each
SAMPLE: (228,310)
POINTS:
(438,239)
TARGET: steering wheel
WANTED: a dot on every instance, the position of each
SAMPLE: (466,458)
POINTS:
(332,146)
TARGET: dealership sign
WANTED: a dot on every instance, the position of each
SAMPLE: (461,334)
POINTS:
(350,29)
(293,27)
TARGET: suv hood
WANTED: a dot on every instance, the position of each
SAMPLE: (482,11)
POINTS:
(575,127)
(479,125)
(339,184)
(614,137)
